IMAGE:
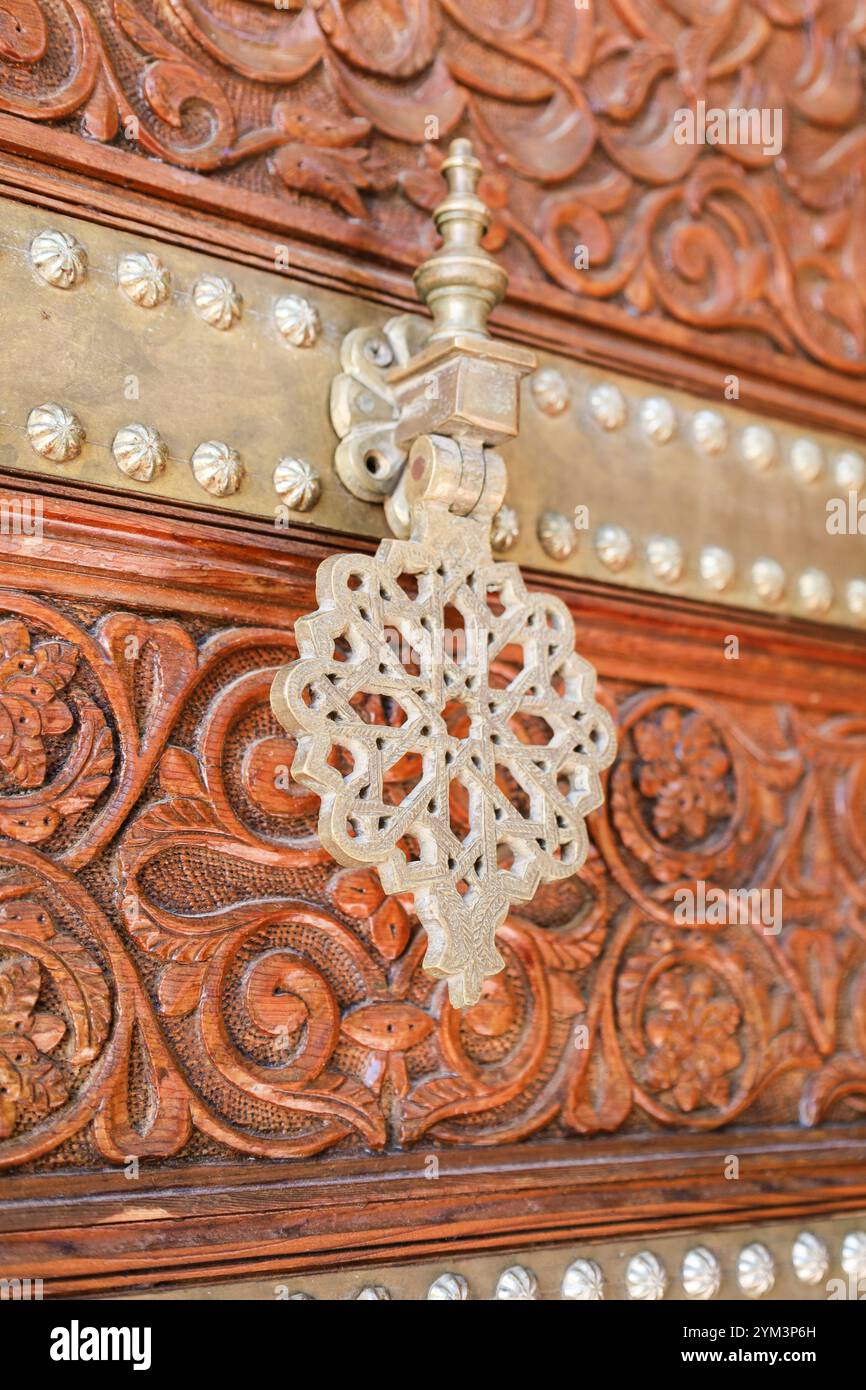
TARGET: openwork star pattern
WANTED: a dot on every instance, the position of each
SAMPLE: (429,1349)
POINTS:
(495,809)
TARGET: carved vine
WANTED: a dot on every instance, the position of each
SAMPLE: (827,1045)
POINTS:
(572,108)
(179,957)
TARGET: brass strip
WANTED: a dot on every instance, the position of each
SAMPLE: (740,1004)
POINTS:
(808,1260)
(671,495)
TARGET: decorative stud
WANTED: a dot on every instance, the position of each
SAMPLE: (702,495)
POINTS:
(758,447)
(806,460)
(378,350)
(810,1258)
(517,1284)
(815,591)
(139,452)
(756,1270)
(217,468)
(504,529)
(297,319)
(298,483)
(701,1273)
(58,258)
(613,547)
(855,597)
(217,301)
(768,579)
(849,471)
(716,567)
(373,1293)
(607,405)
(665,558)
(449,1287)
(556,534)
(854,1254)
(657,419)
(646,1277)
(54,432)
(143,278)
(583,1281)
(709,432)
(550,391)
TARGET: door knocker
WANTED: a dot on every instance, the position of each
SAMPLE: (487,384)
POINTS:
(424,622)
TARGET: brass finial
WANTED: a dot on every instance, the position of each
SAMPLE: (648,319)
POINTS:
(461,284)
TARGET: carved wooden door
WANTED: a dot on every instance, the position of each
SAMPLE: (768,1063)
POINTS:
(221,1059)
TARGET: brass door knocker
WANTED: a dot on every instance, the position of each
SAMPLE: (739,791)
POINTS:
(423,621)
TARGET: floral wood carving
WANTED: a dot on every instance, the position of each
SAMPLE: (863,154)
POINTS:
(184,972)
(332,105)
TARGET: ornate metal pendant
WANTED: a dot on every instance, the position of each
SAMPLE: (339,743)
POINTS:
(424,622)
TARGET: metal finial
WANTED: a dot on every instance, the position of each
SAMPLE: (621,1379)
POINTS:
(461,284)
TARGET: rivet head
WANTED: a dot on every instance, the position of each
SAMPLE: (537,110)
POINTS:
(54,432)
(768,579)
(646,1277)
(58,258)
(855,597)
(550,391)
(517,1284)
(607,405)
(139,452)
(504,529)
(556,534)
(849,470)
(613,547)
(378,351)
(298,483)
(373,1293)
(657,419)
(756,1270)
(217,468)
(583,1281)
(665,558)
(758,447)
(815,591)
(806,460)
(217,301)
(297,320)
(854,1254)
(449,1288)
(810,1258)
(701,1273)
(709,432)
(143,278)
(716,567)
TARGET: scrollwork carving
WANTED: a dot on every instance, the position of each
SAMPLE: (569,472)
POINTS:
(181,963)
(574,111)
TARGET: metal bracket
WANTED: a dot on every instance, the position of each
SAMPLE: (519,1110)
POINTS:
(494,712)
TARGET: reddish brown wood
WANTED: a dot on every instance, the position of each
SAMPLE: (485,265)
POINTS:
(194,984)
(703,259)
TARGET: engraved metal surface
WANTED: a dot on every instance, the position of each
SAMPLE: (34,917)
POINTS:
(529,760)
(117,341)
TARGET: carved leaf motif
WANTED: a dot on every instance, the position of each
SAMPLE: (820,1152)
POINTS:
(338,176)
(547,90)
(27,1076)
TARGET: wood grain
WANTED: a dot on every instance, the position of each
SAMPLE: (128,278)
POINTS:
(186,979)
(317,122)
